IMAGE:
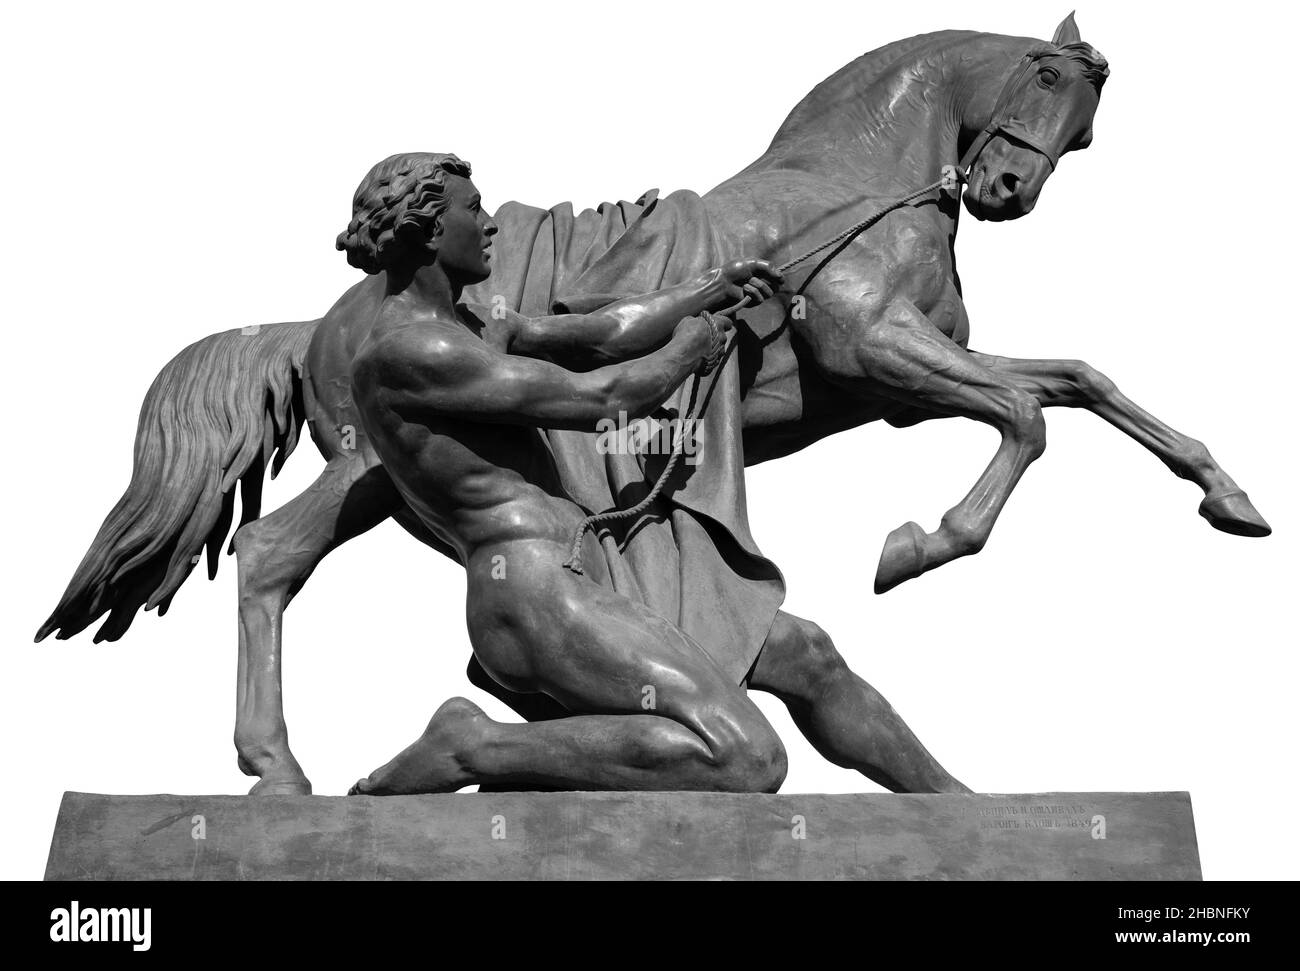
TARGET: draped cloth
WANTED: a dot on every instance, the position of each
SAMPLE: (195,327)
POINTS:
(690,557)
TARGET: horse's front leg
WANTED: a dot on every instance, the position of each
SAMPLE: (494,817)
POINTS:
(1074,384)
(894,351)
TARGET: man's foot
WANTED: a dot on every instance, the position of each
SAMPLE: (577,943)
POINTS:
(432,762)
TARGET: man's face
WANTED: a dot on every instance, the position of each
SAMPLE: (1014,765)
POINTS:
(465,241)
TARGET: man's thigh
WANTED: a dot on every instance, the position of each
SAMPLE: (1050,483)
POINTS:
(596,651)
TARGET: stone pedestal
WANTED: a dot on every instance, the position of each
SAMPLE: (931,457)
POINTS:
(627,836)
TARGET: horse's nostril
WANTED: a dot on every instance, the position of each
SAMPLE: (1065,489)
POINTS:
(1009,182)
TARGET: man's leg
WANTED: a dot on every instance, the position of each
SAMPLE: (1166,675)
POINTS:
(844,718)
(652,709)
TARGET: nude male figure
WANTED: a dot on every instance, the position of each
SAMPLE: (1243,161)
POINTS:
(451,398)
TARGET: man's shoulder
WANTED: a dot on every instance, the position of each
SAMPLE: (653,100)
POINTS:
(497,324)
(427,343)
(482,314)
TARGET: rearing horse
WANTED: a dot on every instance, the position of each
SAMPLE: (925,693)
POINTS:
(879,332)
(885,333)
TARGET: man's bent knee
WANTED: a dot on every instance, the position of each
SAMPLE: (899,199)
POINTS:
(751,761)
(799,659)
(819,658)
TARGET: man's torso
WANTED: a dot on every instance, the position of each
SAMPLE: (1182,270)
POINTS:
(472,483)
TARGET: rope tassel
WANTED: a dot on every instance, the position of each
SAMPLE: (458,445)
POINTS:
(574,562)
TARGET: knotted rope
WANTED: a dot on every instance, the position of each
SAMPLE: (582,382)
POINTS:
(951,177)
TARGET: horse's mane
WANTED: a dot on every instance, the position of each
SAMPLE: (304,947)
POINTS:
(884,63)
(866,70)
(1095,67)
(873,64)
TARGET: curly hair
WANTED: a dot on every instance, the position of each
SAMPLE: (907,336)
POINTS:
(402,193)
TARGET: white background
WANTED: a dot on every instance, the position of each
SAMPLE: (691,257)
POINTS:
(169,173)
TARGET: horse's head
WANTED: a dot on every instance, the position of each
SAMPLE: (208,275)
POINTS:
(1045,109)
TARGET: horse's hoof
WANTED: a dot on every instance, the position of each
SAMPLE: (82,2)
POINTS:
(902,558)
(282,787)
(1233,513)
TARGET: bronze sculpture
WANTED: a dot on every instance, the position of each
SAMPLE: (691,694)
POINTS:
(848,360)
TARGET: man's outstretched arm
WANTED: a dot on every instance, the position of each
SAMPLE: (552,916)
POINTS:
(420,373)
(631,327)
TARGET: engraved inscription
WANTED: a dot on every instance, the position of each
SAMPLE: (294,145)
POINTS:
(1018,817)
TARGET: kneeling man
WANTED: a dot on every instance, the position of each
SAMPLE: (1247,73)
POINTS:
(452,398)
(452,406)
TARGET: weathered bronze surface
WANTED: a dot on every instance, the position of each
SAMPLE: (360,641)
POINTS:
(628,836)
(467,387)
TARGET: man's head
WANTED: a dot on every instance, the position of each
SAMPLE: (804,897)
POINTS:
(415,208)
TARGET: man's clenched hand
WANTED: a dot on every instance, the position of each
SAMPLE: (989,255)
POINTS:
(750,280)
(710,334)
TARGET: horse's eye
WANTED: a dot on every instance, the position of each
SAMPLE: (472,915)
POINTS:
(1048,77)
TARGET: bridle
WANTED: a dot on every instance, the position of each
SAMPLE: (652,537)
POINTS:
(1004,122)
(1001,122)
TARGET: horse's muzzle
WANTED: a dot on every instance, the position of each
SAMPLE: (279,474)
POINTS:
(1005,181)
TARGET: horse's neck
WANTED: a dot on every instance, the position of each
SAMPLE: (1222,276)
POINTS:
(895,116)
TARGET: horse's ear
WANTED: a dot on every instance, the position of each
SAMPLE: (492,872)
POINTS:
(1067,32)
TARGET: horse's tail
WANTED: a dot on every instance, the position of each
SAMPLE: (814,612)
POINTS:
(219,413)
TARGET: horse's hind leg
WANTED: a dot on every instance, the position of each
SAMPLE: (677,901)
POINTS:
(1074,384)
(277,554)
